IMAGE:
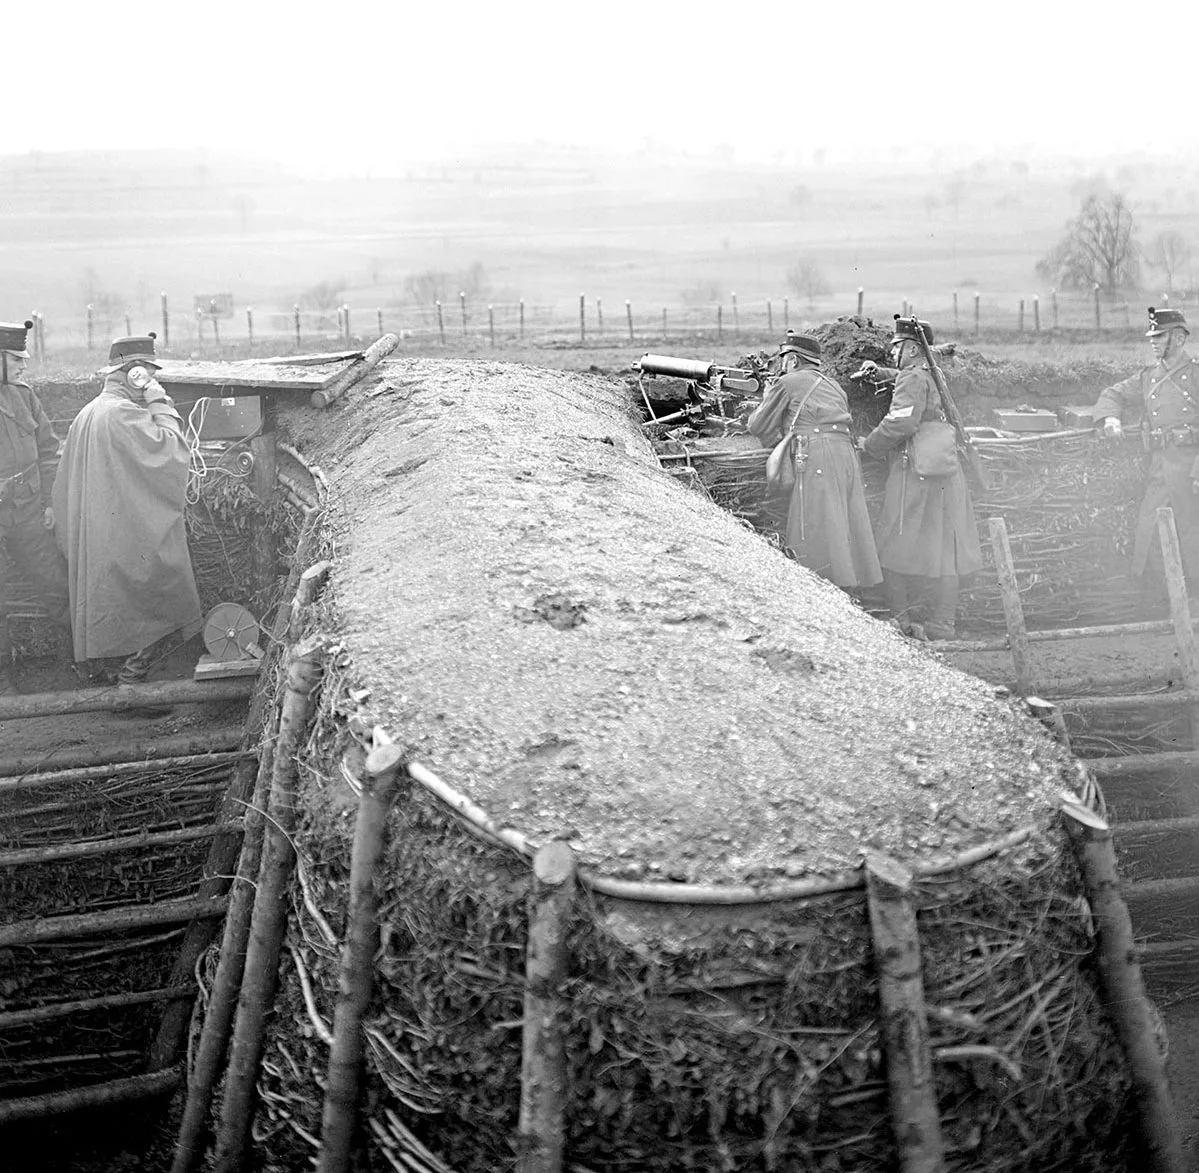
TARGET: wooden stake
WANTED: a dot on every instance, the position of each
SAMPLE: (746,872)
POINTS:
(1123,987)
(861,299)
(1180,610)
(357,974)
(269,920)
(296,312)
(915,1118)
(543,1077)
(582,317)
(440,324)
(1013,610)
(166,322)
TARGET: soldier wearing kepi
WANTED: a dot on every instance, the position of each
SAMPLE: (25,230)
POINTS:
(828,527)
(1166,397)
(927,534)
(28,462)
(119,500)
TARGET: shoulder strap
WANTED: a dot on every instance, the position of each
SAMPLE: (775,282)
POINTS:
(806,396)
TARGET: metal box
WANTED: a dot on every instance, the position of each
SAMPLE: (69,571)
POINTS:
(1039,420)
(230,418)
(1074,416)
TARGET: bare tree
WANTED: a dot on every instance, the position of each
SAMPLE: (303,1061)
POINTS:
(1170,252)
(806,278)
(1099,247)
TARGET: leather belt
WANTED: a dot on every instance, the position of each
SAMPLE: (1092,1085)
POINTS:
(1180,436)
(824,430)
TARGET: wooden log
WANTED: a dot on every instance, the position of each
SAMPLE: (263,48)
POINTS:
(1056,634)
(111,920)
(544,1090)
(116,1091)
(356,979)
(1171,969)
(311,582)
(297,492)
(200,763)
(121,698)
(1180,611)
(1164,909)
(1139,701)
(1013,610)
(1158,849)
(375,353)
(915,1118)
(1050,716)
(222,1000)
(1123,989)
(94,848)
(269,919)
(217,740)
(10,1019)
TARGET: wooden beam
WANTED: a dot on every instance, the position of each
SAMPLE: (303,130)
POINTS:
(116,1091)
(160,749)
(112,920)
(1177,698)
(201,762)
(1164,909)
(11,1019)
(94,848)
(375,353)
(1158,849)
(123,697)
(1013,610)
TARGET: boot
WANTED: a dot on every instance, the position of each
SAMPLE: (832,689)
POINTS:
(136,668)
(901,602)
(942,620)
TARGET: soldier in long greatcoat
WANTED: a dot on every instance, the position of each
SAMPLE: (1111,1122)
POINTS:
(828,527)
(28,463)
(927,534)
(1166,397)
(119,499)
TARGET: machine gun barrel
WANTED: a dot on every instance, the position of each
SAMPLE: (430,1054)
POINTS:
(676,368)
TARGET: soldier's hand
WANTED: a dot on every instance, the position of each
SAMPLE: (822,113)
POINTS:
(1112,428)
(48,517)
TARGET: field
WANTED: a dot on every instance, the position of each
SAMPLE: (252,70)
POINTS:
(546,225)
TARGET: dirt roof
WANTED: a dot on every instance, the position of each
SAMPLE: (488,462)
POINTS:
(585,647)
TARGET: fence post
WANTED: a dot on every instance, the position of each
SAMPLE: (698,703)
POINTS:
(977,313)
(522,319)
(296,311)
(1013,609)
(541,1135)
(1098,322)
(166,321)
(1127,319)
(346,311)
(216,329)
(1021,319)
(462,303)
(599,316)
(491,324)
(628,313)
(199,328)
(1036,313)
(128,323)
(582,317)
(955,311)
(769,316)
(861,300)
(90,327)
(786,312)
(663,323)
(1053,306)
(736,319)
(904,308)
(379,319)
(719,323)
(250,324)
(915,1119)
(440,324)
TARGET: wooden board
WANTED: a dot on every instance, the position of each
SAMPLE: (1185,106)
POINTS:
(209,669)
(221,378)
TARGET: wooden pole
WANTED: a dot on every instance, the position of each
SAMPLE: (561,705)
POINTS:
(736,319)
(166,321)
(1013,609)
(543,1075)
(1051,717)
(115,1091)
(1020,327)
(599,316)
(628,313)
(440,324)
(522,319)
(379,318)
(787,312)
(663,323)
(216,324)
(977,313)
(74,763)
(955,311)
(90,327)
(345,310)
(582,317)
(1036,313)
(1180,610)
(719,323)
(915,1118)
(269,920)
(1098,322)
(491,324)
(120,699)
(108,921)
(356,979)
(1123,988)
(1053,306)
(371,358)
(462,306)
(94,848)
(128,323)
(250,325)
(296,311)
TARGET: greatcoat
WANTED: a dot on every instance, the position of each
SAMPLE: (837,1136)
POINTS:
(828,527)
(1166,397)
(927,525)
(119,506)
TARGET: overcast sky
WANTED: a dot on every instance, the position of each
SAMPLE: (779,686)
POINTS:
(359,86)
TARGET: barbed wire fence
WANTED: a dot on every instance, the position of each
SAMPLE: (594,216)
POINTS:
(588,321)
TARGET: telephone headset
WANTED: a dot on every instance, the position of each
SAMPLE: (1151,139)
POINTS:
(139,378)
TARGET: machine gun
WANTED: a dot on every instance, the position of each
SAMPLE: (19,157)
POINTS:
(705,382)
(973,463)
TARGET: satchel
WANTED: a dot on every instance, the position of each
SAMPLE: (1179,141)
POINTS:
(782,463)
(933,450)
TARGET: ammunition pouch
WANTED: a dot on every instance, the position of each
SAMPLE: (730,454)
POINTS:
(1179,436)
(21,487)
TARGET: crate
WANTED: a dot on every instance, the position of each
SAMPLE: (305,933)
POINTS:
(1077,417)
(1040,420)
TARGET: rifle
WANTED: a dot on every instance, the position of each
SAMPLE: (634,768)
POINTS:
(973,463)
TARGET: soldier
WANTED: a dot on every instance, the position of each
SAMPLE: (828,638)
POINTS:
(927,534)
(120,500)
(28,462)
(1166,396)
(828,527)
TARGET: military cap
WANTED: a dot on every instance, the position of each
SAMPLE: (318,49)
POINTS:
(802,344)
(137,348)
(12,337)
(1162,320)
(905,330)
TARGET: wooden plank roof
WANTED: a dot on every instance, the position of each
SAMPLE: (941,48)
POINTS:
(310,373)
